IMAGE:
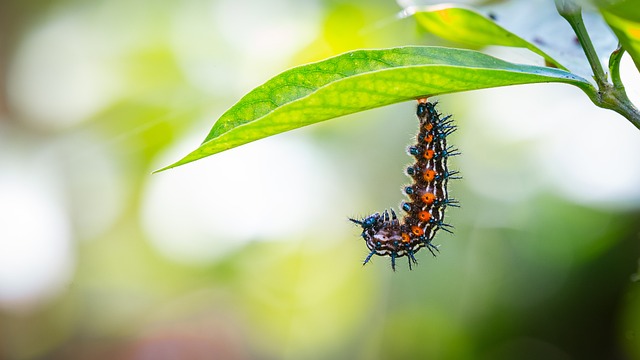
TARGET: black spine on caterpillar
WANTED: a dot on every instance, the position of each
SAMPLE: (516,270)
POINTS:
(428,196)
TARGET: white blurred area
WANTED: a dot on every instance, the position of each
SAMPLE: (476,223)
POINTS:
(58,78)
(53,193)
(277,188)
(37,254)
(563,142)
(247,41)
(272,30)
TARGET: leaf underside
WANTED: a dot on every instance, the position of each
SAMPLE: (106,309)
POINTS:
(467,26)
(361,80)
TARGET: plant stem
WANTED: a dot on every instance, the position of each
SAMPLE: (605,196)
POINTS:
(618,101)
(609,96)
(614,67)
(618,88)
(573,14)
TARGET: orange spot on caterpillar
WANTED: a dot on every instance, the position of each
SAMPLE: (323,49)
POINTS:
(428,198)
(424,216)
(429,154)
(429,175)
(428,138)
(428,126)
(423,100)
(405,238)
(417,231)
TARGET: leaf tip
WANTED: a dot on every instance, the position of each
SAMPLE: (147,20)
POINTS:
(163,169)
(180,162)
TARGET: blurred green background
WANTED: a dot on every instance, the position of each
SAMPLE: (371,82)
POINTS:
(249,254)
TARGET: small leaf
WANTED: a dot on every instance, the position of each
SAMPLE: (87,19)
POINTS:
(626,25)
(466,26)
(361,80)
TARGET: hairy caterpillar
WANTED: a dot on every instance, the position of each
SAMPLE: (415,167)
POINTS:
(428,197)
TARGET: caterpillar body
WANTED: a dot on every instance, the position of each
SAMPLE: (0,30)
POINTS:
(428,197)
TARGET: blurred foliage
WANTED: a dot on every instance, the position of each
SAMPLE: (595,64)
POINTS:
(530,273)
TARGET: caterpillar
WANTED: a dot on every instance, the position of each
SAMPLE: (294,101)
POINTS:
(387,235)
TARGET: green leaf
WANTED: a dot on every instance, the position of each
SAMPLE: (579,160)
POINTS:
(361,80)
(466,26)
(625,23)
